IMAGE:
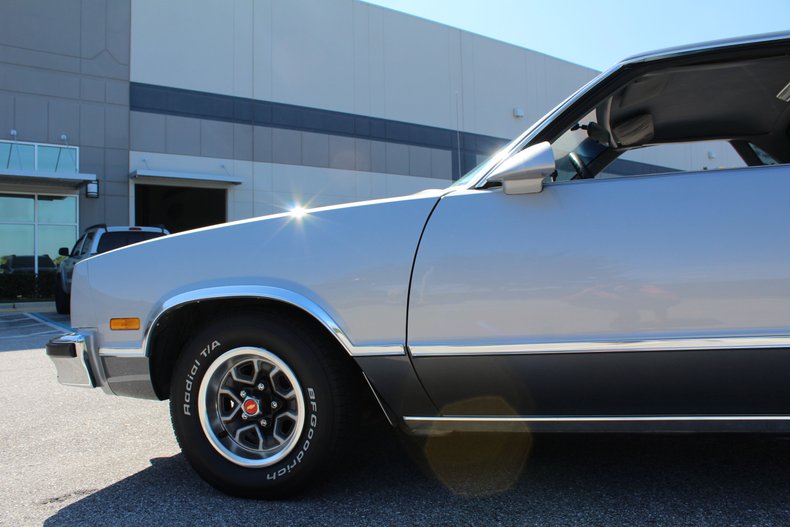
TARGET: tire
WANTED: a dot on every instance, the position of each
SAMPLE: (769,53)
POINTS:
(268,453)
(62,299)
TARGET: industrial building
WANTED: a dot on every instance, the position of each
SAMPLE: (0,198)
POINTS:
(187,113)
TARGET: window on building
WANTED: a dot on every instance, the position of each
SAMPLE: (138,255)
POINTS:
(39,157)
(33,227)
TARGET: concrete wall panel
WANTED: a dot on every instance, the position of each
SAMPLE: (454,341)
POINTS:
(6,115)
(118,24)
(26,80)
(182,135)
(117,92)
(262,144)
(116,165)
(312,54)
(315,149)
(286,146)
(170,45)
(147,132)
(31,118)
(116,126)
(417,74)
(397,159)
(41,25)
(94,28)
(91,125)
(39,59)
(342,152)
(216,139)
(242,142)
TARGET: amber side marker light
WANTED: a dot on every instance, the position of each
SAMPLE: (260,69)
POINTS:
(124,323)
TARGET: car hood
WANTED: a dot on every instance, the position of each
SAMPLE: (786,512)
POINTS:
(354,261)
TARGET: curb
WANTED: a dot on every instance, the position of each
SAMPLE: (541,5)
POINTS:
(31,307)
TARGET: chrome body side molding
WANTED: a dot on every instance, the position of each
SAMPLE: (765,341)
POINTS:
(122,352)
(544,348)
(424,425)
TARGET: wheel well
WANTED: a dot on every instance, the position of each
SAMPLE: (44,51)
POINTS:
(173,330)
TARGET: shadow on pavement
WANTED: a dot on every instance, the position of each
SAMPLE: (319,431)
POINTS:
(570,479)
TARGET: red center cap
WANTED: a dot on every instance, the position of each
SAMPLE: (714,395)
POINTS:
(250,406)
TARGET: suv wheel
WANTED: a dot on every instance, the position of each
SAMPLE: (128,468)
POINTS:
(62,299)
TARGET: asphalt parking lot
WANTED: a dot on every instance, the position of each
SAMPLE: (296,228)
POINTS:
(79,457)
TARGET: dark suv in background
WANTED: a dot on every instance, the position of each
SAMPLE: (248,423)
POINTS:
(96,240)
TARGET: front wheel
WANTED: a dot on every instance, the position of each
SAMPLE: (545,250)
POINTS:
(258,406)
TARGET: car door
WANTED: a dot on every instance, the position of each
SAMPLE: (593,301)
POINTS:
(649,295)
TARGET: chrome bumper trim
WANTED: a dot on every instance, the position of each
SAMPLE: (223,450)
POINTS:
(71,355)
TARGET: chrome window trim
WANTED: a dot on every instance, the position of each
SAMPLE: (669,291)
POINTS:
(263,292)
(548,348)
(705,46)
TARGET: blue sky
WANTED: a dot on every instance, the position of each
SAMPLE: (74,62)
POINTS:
(598,33)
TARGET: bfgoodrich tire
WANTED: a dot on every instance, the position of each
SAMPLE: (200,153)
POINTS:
(258,405)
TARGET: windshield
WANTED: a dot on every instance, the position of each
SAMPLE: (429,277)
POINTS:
(487,165)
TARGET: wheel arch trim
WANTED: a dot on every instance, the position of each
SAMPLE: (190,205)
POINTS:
(268,293)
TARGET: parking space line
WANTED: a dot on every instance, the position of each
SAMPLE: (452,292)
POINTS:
(50,323)
(17,326)
(50,332)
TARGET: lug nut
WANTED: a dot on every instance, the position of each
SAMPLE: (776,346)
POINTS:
(264,422)
(244,416)
(261,387)
(275,405)
(243,394)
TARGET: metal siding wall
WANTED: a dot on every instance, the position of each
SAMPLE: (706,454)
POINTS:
(64,68)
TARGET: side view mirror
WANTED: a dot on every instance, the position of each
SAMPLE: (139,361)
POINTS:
(63,251)
(523,173)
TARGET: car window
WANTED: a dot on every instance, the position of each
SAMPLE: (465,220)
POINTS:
(678,119)
(764,157)
(576,149)
(115,240)
(86,246)
(675,157)
(77,246)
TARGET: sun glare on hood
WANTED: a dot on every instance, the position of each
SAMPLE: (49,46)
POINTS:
(297,211)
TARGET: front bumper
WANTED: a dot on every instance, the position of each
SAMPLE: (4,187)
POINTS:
(75,359)
(80,362)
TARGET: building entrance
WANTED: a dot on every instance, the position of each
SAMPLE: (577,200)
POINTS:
(179,208)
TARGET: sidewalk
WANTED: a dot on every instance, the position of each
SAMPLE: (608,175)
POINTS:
(29,307)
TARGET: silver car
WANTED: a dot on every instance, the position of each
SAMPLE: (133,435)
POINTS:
(553,288)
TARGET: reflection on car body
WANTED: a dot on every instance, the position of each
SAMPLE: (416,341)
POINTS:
(539,292)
